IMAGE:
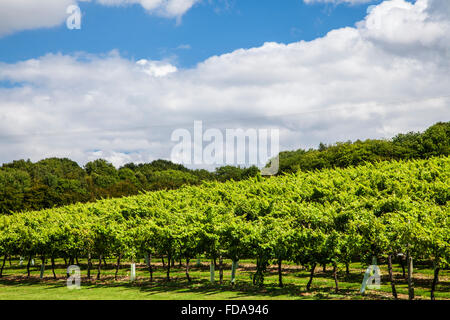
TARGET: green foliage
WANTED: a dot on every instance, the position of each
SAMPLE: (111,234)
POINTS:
(435,141)
(56,182)
(235,173)
(13,185)
(333,216)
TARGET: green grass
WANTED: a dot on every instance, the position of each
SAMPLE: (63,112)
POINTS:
(15,284)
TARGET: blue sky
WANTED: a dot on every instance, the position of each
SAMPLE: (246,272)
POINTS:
(207,29)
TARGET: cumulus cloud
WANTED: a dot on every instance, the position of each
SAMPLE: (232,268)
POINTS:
(371,81)
(403,25)
(18,15)
(166,8)
(156,68)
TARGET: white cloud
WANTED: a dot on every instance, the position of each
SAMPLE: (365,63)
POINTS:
(18,15)
(363,82)
(400,24)
(166,8)
(156,68)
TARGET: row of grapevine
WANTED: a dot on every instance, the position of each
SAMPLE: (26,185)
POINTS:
(331,217)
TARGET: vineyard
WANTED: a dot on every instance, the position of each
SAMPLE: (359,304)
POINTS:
(395,212)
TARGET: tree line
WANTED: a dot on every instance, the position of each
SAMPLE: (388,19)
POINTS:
(25,185)
(330,217)
(434,141)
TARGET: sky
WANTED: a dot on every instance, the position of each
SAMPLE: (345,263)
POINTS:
(136,70)
(209,28)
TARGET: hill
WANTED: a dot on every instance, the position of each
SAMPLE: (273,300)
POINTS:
(332,216)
